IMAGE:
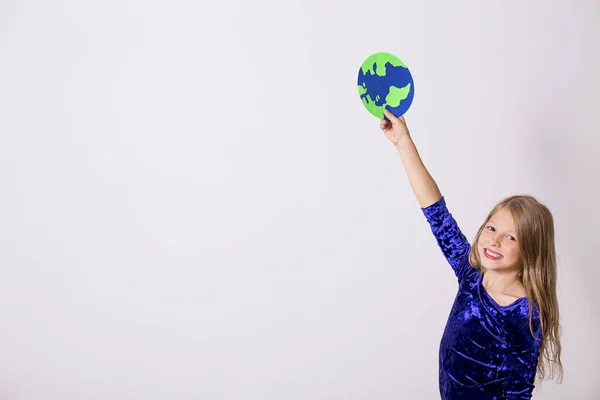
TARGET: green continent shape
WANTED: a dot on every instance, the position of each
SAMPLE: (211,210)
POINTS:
(396,95)
(372,107)
(393,99)
(375,64)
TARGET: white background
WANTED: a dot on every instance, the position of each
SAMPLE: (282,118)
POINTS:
(196,205)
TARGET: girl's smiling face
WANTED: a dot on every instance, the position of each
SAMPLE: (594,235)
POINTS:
(497,246)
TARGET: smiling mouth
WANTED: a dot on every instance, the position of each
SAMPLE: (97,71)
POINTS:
(491,255)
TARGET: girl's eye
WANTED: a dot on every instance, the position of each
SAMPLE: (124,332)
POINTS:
(492,229)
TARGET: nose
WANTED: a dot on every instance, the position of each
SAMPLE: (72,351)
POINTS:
(495,240)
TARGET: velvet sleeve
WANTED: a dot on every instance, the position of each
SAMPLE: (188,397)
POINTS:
(521,362)
(454,245)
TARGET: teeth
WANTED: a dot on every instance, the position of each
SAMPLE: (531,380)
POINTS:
(493,254)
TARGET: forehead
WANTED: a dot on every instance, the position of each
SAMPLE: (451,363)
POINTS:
(503,217)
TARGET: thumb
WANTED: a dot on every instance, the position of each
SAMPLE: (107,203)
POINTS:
(390,116)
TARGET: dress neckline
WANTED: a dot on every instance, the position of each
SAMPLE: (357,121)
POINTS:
(512,304)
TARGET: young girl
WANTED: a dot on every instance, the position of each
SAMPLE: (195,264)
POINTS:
(504,321)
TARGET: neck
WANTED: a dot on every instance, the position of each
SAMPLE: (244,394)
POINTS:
(501,281)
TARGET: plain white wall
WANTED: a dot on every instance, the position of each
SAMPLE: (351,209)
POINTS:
(196,205)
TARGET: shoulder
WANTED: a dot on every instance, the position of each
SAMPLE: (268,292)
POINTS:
(524,307)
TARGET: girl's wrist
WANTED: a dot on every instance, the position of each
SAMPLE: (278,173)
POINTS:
(401,143)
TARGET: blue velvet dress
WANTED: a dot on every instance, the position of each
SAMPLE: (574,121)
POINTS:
(487,350)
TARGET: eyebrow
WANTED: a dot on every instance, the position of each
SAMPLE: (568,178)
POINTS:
(508,230)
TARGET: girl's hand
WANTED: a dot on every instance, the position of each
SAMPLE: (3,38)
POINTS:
(395,129)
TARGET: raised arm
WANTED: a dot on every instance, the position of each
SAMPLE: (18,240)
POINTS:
(421,182)
(454,245)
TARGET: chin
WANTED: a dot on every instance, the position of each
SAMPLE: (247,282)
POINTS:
(487,265)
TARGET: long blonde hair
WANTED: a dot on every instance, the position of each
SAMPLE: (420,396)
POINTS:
(534,227)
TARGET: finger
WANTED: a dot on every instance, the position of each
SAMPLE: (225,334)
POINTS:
(390,116)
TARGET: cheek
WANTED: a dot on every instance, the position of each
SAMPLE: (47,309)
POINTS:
(514,253)
(482,238)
